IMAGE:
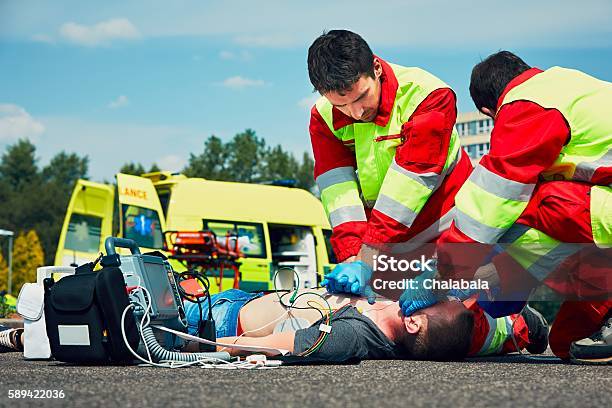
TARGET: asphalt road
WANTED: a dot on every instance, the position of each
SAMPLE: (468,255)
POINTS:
(498,382)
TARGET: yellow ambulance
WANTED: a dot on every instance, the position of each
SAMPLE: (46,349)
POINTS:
(275,226)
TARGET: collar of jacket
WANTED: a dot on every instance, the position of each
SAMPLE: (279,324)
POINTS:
(389,85)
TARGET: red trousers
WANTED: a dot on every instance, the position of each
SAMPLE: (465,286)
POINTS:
(561,209)
(485,329)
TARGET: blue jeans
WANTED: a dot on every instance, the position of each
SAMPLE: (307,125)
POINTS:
(225,309)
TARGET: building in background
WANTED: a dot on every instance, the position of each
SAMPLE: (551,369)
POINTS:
(474,130)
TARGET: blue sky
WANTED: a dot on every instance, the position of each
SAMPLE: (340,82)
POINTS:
(148,81)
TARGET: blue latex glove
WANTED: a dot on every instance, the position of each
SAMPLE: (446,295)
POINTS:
(419,297)
(351,277)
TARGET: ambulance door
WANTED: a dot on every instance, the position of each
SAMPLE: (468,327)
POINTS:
(255,262)
(140,212)
(325,255)
(88,221)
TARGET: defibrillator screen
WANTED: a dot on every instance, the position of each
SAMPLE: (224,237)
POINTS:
(160,289)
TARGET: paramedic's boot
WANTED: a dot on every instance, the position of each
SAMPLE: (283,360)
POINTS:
(538,330)
(11,339)
(596,349)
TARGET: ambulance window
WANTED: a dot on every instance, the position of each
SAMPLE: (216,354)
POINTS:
(83,233)
(142,225)
(330,252)
(250,235)
(164,200)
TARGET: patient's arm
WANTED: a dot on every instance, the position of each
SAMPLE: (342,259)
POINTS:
(277,340)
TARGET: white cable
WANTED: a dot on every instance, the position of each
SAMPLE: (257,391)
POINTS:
(204,362)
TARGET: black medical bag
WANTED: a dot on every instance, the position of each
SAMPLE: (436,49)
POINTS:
(83,317)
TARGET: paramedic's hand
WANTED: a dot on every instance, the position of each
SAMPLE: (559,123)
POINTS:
(353,278)
(417,297)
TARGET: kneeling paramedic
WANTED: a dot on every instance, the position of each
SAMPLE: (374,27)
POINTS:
(394,127)
(550,126)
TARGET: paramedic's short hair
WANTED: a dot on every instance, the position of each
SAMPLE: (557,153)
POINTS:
(337,59)
(491,76)
(446,338)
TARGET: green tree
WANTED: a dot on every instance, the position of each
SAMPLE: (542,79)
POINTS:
(305,173)
(246,159)
(211,163)
(278,164)
(245,153)
(135,169)
(34,199)
(18,166)
(65,169)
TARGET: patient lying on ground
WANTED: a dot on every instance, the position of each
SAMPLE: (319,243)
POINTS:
(359,330)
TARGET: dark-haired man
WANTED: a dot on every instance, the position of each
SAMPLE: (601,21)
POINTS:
(549,125)
(388,161)
(449,330)
(358,330)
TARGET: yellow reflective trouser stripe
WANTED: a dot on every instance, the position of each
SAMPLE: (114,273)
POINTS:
(601,215)
(404,193)
(539,253)
(499,330)
(530,247)
(484,216)
(342,203)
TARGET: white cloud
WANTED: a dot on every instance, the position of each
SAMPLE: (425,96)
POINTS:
(307,101)
(561,23)
(243,55)
(239,82)
(43,38)
(101,33)
(120,102)
(172,163)
(16,123)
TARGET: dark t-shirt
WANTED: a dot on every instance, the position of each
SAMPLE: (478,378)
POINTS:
(353,336)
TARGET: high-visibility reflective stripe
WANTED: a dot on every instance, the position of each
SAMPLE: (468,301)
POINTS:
(425,236)
(340,195)
(429,180)
(539,253)
(477,230)
(585,170)
(347,214)
(550,261)
(499,186)
(514,233)
(486,208)
(601,216)
(335,176)
(492,327)
(497,335)
(405,190)
(530,246)
(395,210)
